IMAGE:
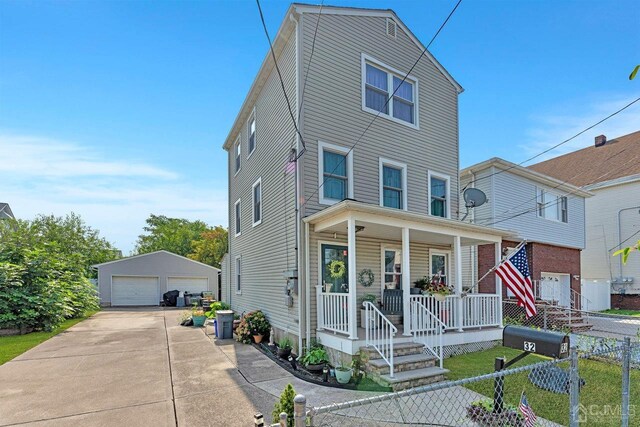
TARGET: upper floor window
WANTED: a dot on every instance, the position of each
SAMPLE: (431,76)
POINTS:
(238,274)
(335,173)
(237,217)
(393,181)
(552,206)
(251,130)
(379,82)
(238,152)
(438,195)
(257,202)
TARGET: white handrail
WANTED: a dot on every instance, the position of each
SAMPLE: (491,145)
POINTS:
(333,311)
(427,329)
(446,311)
(379,333)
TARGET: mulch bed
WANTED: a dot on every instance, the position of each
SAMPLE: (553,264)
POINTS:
(361,384)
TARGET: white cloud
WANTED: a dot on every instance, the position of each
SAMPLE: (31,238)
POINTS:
(565,121)
(43,176)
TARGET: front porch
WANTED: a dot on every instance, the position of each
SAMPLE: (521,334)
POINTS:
(398,247)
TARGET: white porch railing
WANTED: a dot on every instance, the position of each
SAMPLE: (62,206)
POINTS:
(427,329)
(446,311)
(379,333)
(481,310)
(560,295)
(333,311)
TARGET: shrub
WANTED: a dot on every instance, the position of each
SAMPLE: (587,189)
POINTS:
(285,405)
(315,357)
(213,309)
(252,323)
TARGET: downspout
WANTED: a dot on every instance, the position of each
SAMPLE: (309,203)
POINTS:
(620,234)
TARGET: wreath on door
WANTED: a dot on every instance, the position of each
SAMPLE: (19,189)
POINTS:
(366,277)
(337,269)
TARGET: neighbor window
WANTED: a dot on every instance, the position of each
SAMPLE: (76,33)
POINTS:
(439,195)
(237,211)
(252,134)
(238,274)
(439,266)
(335,166)
(552,206)
(392,269)
(238,149)
(393,178)
(379,83)
(257,202)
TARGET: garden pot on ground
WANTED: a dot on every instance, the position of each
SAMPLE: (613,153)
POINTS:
(284,353)
(198,320)
(257,338)
(343,375)
(315,368)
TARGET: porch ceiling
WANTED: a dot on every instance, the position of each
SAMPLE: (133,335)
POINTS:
(386,223)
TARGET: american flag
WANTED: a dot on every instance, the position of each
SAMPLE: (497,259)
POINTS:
(514,272)
(527,412)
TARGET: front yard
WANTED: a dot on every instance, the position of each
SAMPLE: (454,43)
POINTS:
(601,393)
(622,312)
(14,346)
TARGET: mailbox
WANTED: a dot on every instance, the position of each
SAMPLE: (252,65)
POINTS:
(551,344)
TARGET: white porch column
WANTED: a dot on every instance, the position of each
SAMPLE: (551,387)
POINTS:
(457,256)
(351,258)
(406,281)
(499,281)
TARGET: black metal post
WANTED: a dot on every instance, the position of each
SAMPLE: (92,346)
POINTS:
(498,392)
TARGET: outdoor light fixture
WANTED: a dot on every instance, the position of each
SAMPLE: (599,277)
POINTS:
(325,374)
(359,228)
(294,365)
(258,420)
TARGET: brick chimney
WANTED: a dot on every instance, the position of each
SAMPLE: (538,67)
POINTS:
(601,140)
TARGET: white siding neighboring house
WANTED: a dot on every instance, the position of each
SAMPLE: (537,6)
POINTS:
(5,211)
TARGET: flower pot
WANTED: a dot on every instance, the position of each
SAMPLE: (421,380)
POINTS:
(315,368)
(415,291)
(198,320)
(257,338)
(363,320)
(343,375)
(440,297)
(284,353)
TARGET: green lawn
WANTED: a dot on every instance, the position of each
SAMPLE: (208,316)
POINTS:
(602,386)
(15,345)
(622,312)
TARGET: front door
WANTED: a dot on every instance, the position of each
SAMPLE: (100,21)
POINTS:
(335,269)
(555,287)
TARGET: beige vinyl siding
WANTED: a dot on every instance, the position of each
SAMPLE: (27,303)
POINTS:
(333,110)
(368,255)
(268,249)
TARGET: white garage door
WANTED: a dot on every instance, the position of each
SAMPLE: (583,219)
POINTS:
(131,290)
(193,285)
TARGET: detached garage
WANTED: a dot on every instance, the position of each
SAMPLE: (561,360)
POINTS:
(142,279)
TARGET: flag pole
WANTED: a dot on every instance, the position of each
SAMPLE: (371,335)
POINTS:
(492,269)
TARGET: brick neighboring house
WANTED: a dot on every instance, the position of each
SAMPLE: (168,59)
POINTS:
(610,169)
(536,208)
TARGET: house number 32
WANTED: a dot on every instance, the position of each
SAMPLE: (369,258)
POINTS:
(530,346)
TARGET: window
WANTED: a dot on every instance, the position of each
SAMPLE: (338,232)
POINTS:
(257,202)
(238,149)
(392,260)
(335,268)
(335,173)
(438,195)
(237,224)
(393,181)
(440,266)
(238,275)
(251,130)
(379,82)
(551,205)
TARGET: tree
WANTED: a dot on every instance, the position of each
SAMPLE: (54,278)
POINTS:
(624,253)
(285,404)
(211,246)
(170,234)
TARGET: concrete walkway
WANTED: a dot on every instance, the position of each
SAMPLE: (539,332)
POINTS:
(139,367)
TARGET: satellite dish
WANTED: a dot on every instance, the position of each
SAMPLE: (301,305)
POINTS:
(474,198)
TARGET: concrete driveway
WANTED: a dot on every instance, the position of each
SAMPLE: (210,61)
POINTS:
(132,367)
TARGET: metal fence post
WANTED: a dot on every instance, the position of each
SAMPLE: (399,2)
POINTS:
(299,411)
(544,316)
(574,388)
(626,365)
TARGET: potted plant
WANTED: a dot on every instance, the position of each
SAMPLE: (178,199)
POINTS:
(420,285)
(366,298)
(437,287)
(253,327)
(198,316)
(315,359)
(284,347)
(343,373)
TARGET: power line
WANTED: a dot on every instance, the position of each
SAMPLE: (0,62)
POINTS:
(555,146)
(424,51)
(624,241)
(284,91)
(313,49)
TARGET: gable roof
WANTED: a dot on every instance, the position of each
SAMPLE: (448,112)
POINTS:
(527,173)
(592,165)
(5,211)
(282,36)
(153,253)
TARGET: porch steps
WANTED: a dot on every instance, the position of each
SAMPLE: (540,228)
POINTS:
(560,319)
(412,367)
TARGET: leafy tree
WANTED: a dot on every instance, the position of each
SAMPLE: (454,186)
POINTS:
(211,246)
(170,234)
(626,251)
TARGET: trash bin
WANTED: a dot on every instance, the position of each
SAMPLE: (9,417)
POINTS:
(225,324)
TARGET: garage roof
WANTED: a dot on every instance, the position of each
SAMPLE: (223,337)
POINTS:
(152,253)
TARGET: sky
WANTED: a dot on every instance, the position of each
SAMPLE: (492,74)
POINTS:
(119,109)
